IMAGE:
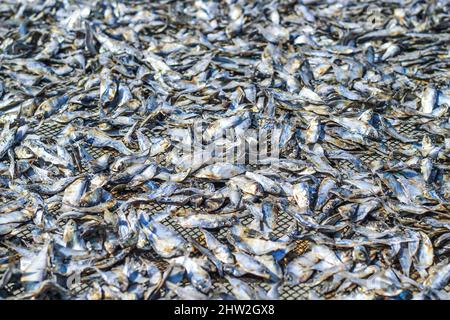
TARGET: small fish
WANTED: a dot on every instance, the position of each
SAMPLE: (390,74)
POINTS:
(301,195)
(429,99)
(206,220)
(198,277)
(300,269)
(313,131)
(220,171)
(74,191)
(241,289)
(248,264)
(175,151)
(220,250)
(237,236)
(164,240)
(425,255)
(7,140)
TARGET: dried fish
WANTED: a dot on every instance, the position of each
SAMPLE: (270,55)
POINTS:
(224,149)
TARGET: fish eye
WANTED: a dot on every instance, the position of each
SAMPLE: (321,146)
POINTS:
(289,277)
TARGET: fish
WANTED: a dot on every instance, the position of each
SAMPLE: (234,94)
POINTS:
(164,240)
(219,249)
(241,289)
(55,188)
(248,264)
(313,131)
(206,220)
(220,171)
(74,191)
(266,183)
(301,195)
(98,139)
(7,139)
(255,245)
(425,255)
(429,99)
(33,266)
(300,269)
(227,150)
(198,277)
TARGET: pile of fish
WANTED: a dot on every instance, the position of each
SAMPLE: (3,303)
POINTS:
(99,101)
